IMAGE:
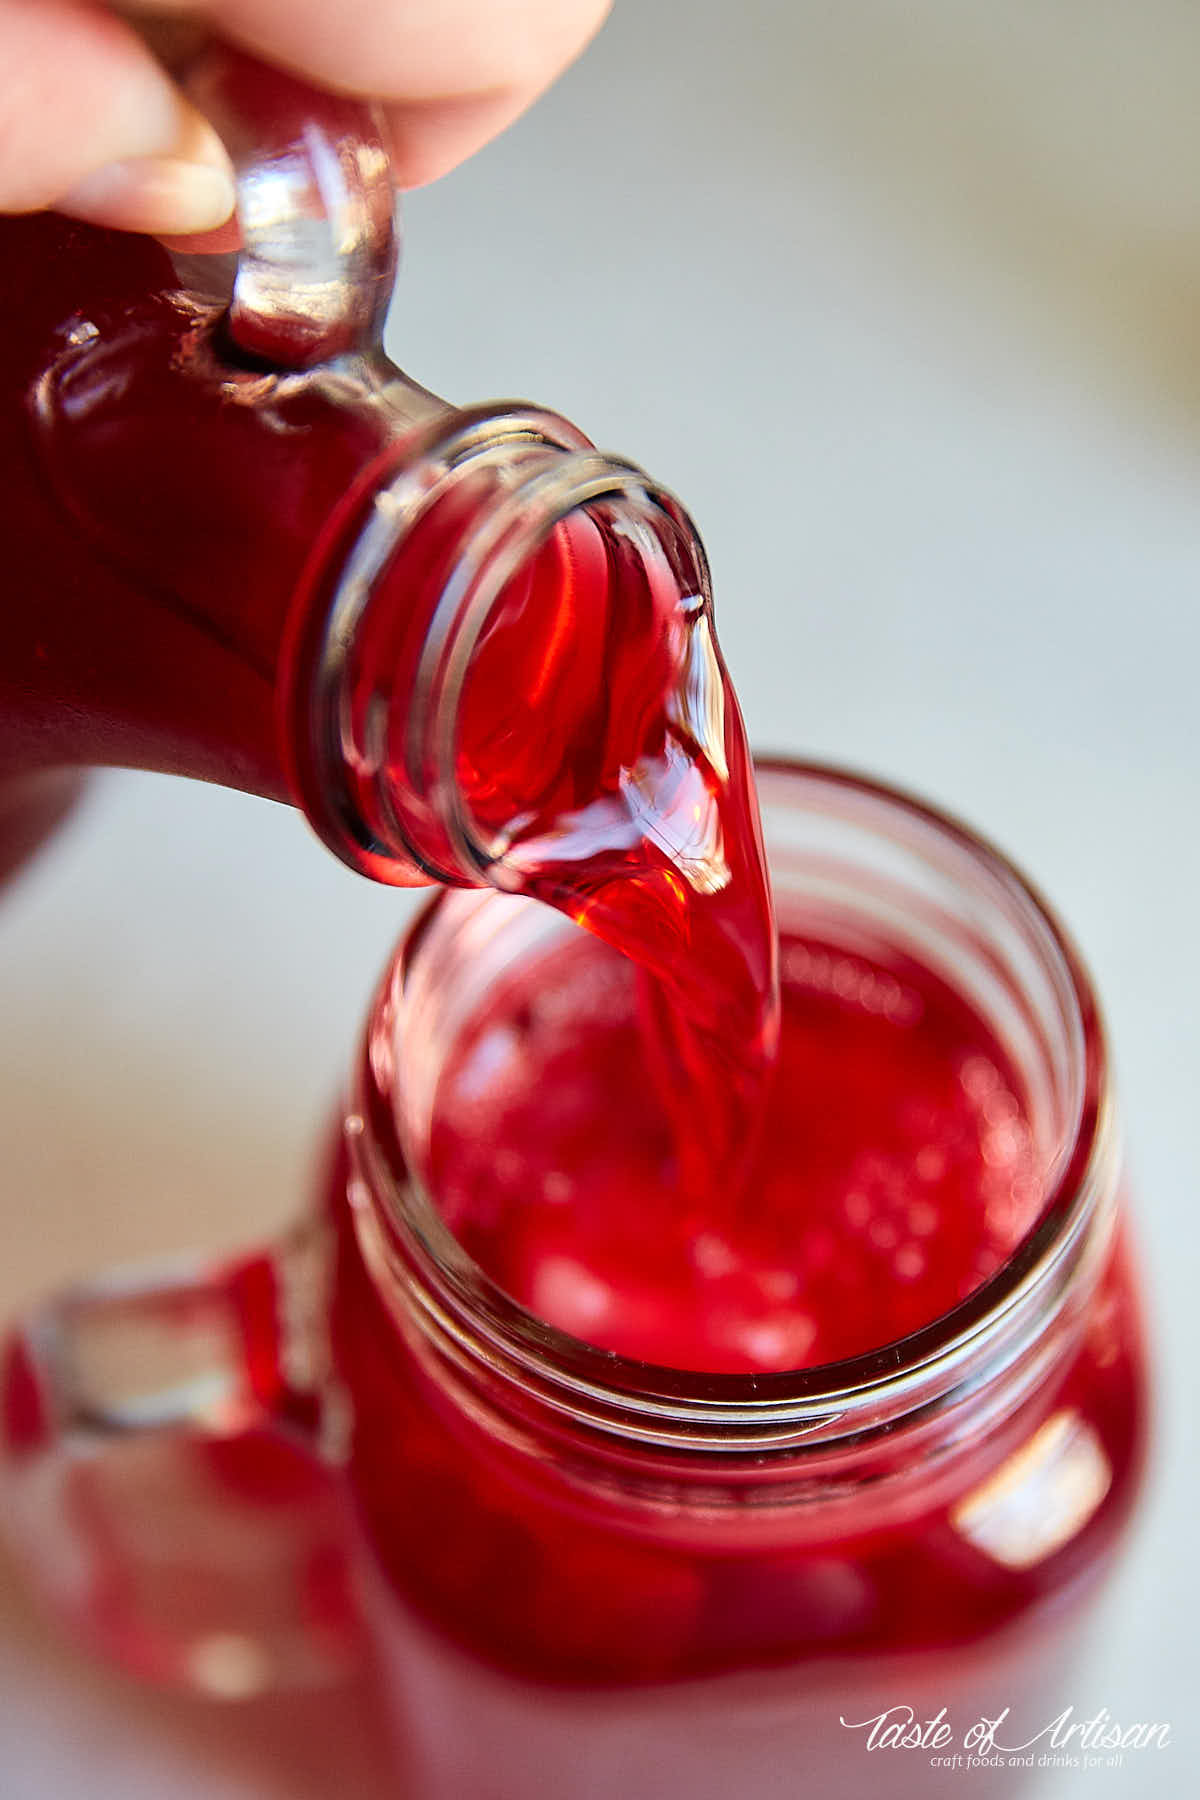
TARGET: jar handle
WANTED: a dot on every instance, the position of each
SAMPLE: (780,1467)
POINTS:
(166,1472)
(316,210)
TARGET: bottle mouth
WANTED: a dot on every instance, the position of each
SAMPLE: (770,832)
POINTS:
(973,905)
(390,620)
(618,501)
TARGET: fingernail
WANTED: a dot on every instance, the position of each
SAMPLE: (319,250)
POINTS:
(161,194)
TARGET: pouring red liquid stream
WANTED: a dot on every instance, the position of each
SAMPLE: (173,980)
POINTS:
(649,835)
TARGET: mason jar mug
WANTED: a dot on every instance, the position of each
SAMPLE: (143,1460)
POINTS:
(441,1427)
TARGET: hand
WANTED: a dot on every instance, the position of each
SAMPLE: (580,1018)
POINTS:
(91,123)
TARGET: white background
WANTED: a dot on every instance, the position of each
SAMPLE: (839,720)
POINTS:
(905,303)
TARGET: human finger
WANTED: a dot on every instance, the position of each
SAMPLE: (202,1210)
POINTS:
(90,123)
(451,73)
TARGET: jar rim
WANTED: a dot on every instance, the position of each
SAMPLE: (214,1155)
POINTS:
(470,1316)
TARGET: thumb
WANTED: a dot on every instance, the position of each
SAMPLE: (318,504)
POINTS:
(91,124)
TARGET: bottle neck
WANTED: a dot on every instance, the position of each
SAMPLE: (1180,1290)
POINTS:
(447,588)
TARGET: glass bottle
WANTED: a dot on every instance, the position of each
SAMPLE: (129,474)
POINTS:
(577,1571)
(242,546)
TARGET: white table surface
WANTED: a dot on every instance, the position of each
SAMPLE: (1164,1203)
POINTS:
(905,303)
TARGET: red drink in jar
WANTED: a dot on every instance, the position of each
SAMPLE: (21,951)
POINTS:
(661,1487)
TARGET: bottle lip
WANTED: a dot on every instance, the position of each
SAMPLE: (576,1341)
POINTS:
(426,1277)
(544,469)
(512,531)
(355,817)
